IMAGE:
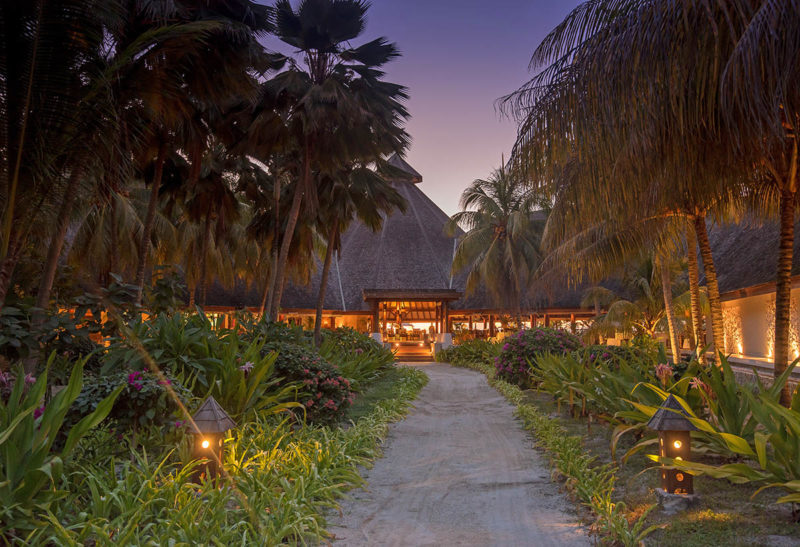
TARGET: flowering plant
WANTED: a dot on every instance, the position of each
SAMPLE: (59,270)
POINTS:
(520,351)
(324,392)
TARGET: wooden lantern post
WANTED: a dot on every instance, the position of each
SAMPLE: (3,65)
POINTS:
(210,424)
(674,441)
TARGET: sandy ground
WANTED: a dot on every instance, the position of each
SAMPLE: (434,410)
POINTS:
(459,470)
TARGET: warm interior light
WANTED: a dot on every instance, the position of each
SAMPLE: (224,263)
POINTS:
(677,444)
(204,444)
(679,476)
(679,458)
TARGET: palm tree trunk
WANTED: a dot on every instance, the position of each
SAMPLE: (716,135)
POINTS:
(113,250)
(783,290)
(56,245)
(694,294)
(323,284)
(147,227)
(666,289)
(203,284)
(7,266)
(715,304)
(270,288)
(294,214)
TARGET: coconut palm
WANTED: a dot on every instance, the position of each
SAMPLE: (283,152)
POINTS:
(356,194)
(500,249)
(330,89)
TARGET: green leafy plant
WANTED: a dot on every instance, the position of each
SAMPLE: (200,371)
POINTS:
(31,466)
(359,366)
(521,350)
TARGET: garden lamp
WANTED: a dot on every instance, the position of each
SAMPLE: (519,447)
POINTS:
(210,424)
(674,441)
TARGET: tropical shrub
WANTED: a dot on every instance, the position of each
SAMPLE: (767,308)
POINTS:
(348,340)
(245,383)
(180,345)
(144,399)
(325,394)
(520,352)
(360,366)
(31,464)
(470,351)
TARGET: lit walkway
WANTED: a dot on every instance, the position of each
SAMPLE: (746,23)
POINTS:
(459,470)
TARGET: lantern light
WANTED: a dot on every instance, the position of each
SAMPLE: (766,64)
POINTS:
(674,428)
(210,424)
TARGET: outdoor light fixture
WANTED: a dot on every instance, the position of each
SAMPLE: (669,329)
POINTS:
(674,441)
(210,424)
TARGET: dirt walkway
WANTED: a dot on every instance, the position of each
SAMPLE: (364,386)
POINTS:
(459,470)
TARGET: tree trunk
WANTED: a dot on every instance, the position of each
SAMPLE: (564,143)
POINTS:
(694,295)
(204,248)
(113,250)
(666,289)
(711,283)
(147,227)
(7,266)
(294,214)
(783,290)
(323,284)
(56,245)
(270,288)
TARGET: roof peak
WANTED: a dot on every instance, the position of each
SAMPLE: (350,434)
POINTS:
(399,163)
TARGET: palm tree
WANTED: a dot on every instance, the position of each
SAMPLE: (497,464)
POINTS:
(358,193)
(332,87)
(500,249)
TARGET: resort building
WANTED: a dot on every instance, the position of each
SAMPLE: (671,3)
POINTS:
(398,282)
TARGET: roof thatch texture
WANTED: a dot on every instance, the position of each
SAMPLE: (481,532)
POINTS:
(746,254)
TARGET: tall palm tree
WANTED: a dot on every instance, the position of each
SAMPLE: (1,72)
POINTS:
(331,88)
(500,249)
(356,194)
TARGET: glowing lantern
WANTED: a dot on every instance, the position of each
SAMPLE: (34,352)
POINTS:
(674,441)
(210,422)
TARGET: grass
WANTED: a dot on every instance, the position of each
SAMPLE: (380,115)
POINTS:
(380,389)
(724,515)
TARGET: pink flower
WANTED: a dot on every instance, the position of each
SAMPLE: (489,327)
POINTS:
(663,372)
(30,379)
(38,412)
(310,402)
(247,367)
(165,382)
(179,423)
(358,351)
(133,377)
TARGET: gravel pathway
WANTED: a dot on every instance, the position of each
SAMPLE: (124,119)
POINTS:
(459,470)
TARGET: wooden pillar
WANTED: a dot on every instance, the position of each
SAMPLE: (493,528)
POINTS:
(533,320)
(446,317)
(572,326)
(375,318)
(547,320)
(491,325)
(470,322)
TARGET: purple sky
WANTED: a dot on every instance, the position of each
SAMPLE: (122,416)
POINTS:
(459,56)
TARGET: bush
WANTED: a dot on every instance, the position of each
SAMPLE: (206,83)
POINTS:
(470,351)
(325,393)
(520,351)
(144,399)
(348,341)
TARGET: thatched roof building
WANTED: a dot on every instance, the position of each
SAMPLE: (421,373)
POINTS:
(407,261)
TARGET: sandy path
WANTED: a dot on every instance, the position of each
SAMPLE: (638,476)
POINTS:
(459,470)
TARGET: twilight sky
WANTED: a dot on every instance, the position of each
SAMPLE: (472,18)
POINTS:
(458,57)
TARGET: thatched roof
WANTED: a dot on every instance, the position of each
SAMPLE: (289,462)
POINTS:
(746,254)
(411,253)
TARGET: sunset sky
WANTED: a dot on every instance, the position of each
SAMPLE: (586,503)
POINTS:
(459,56)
